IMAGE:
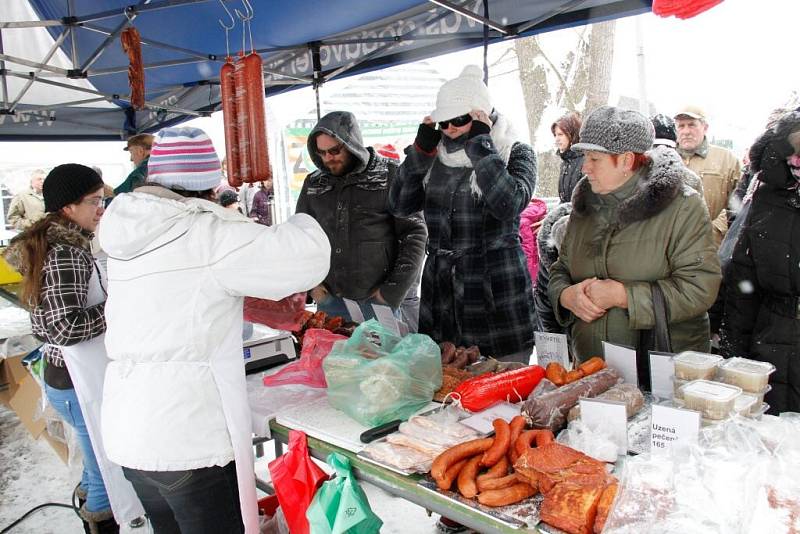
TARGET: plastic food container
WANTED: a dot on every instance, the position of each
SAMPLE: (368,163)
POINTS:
(761,410)
(714,400)
(677,384)
(750,375)
(746,403)
(696,365)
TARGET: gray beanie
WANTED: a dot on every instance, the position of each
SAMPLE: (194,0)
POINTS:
(614,131)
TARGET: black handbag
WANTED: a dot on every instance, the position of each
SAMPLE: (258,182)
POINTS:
(656,339)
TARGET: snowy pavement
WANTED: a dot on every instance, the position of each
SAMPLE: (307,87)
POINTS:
(31,474)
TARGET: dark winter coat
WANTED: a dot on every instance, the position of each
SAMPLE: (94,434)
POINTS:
(476,289)
(654,228)
(571,163)
(370,248)
(548,254)
(762,281)
(262,206)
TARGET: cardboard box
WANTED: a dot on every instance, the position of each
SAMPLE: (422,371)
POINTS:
(20,392)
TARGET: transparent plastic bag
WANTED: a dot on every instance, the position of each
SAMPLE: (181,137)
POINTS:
(596,444)
(284,314)
(317,344)
(376,377)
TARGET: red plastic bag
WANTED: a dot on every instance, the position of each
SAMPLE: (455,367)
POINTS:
(296,479)
(513,386)
(284,314)
(317,344)
(683,9)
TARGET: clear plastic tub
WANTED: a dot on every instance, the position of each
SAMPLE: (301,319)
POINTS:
(750,375)
(696,365)
(746,403)
(714,400)
(677,384)
(761,410)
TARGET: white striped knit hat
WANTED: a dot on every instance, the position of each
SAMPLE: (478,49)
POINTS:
(185,159)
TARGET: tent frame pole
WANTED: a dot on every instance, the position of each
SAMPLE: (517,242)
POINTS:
(3,79)
(34,75)
(485,20)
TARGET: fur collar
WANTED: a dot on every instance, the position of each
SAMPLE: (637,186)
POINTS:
(664,179)
(548,253)
(60,232)
(503,136)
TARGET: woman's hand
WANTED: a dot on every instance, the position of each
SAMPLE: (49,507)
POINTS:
(480,115)
(607,294)
(575,299)
(428,136)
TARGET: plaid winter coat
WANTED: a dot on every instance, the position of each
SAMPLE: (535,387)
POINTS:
(476,289)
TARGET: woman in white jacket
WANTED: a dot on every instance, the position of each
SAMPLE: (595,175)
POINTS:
(175,412)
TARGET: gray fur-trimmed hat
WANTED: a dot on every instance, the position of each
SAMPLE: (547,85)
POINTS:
(614,131)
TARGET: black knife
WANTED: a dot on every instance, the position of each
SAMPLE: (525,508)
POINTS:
(379,431)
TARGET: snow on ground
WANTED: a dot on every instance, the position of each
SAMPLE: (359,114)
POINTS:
(32,474)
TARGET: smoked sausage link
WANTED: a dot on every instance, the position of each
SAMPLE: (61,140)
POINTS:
(230,121)
(258,153)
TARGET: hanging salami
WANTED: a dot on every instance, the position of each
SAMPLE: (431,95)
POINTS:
(253,110)
(230,121)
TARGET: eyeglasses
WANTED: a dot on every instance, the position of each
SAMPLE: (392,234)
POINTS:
(334,151)
(458,122)
(94,201)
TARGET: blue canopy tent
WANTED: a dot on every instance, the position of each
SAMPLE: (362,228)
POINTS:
(302,42)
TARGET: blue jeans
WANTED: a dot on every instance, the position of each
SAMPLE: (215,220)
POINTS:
(198,501)
(65,402)
(334,306)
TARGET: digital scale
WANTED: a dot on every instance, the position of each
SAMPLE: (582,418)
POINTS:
(266,348)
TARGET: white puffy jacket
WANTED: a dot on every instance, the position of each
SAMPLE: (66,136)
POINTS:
(178,270)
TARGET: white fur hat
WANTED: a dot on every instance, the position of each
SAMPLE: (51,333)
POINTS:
(461,95)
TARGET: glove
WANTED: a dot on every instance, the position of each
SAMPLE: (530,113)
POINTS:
(428,137)
(478,128)
(774,145)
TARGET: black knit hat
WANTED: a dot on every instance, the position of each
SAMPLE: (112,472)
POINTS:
(67,184)
(665,130)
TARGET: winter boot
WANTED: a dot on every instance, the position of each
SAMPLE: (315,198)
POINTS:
(79,495)
(99,522)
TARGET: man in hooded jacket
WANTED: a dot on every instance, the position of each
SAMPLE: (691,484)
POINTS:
(375,256)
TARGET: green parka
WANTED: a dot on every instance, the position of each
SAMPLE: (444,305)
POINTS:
(653,228)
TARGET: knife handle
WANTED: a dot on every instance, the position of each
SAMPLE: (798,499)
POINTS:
(379,431)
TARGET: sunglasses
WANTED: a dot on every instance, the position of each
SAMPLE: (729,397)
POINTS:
(458,122)
(333,151)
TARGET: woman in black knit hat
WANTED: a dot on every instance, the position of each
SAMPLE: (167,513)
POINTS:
(64,290)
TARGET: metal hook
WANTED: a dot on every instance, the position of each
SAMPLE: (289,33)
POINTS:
(246,18)
(226,28)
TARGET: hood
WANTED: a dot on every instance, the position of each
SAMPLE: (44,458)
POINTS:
(59,232)
(343,126)
(569,154)
(534,211)
(548,252)
(663,179)
(137,223)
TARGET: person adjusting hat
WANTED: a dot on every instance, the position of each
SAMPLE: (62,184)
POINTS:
(473,178)
(139,147)
(175,403)
(717,167)
(635,225)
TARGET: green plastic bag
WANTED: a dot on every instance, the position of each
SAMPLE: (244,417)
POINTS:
(340,505)
(376,376)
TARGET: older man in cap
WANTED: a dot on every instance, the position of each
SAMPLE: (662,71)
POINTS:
(139,148)
(717,167)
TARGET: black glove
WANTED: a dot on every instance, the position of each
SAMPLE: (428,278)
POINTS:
(777,139)
(428,137)
(478,128)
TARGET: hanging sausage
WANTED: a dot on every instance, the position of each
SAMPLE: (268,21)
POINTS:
(253,109)
(230,118)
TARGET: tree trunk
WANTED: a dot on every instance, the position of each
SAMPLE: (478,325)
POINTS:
(533,78)
(601,59)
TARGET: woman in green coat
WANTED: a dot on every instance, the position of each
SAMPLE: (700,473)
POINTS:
(634,221)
